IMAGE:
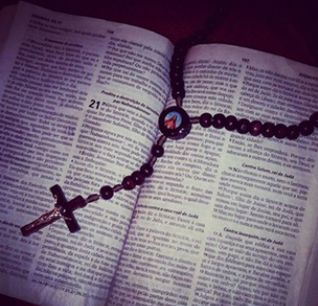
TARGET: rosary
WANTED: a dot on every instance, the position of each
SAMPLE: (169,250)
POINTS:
(174,123)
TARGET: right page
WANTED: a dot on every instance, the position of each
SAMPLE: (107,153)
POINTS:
(229,219)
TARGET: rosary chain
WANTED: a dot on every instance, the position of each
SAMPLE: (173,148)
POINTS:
(206,120)
(174,123)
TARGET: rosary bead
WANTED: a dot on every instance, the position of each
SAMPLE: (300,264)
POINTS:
(179,55)
(178,93)
(178,84)
(218,121)
(138,177)
(177,59)
(314,119)
(205,120)
(280,131)
(293,132)
(230,123)
(256,128)
(128,183)
(106,192)
(175,76)
(176,71)
(243,126)
(157,150)
(268,129)
(306,128)
(146,170)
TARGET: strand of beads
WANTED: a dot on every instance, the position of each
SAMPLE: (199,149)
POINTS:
(256,127)
(137,177)
(182,47)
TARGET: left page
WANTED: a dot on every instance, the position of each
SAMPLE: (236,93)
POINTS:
(80,99)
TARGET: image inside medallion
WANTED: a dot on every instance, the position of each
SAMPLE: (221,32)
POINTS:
(172,120)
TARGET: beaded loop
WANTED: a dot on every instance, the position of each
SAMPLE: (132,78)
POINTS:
(175,123)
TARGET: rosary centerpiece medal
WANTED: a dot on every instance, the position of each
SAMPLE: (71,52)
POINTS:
(174,123)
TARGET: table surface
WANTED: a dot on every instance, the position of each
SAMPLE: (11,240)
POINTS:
(287,28)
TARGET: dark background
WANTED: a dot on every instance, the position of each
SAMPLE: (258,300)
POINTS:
(287,28)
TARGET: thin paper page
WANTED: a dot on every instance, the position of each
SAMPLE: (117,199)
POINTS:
(231,214)
(80,99)
(279,174)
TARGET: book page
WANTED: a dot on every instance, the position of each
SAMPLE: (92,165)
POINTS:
(80,100)
(229,219)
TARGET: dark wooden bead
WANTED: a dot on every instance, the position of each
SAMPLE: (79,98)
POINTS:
(157,150)
(281,131)
(178,93)
(128,183)
(243,126)
(205,120)
(268,129)
(106,192)
(256,128)
(218,121)
(138,177)
(178,84)
(146,170)
(176,68)
(176,76)
(293,132)
(314,119)
(230,123)
(306,128)
(179,55)
(177,59)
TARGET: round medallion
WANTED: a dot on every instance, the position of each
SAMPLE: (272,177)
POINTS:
(174,123)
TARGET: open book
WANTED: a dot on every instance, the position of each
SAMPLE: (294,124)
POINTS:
(226,219)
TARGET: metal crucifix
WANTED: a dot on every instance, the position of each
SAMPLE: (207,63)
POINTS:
(62,209)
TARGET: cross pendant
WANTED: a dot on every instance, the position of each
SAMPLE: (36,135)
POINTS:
(62,209)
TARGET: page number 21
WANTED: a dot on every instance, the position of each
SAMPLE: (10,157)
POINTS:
(94,104)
